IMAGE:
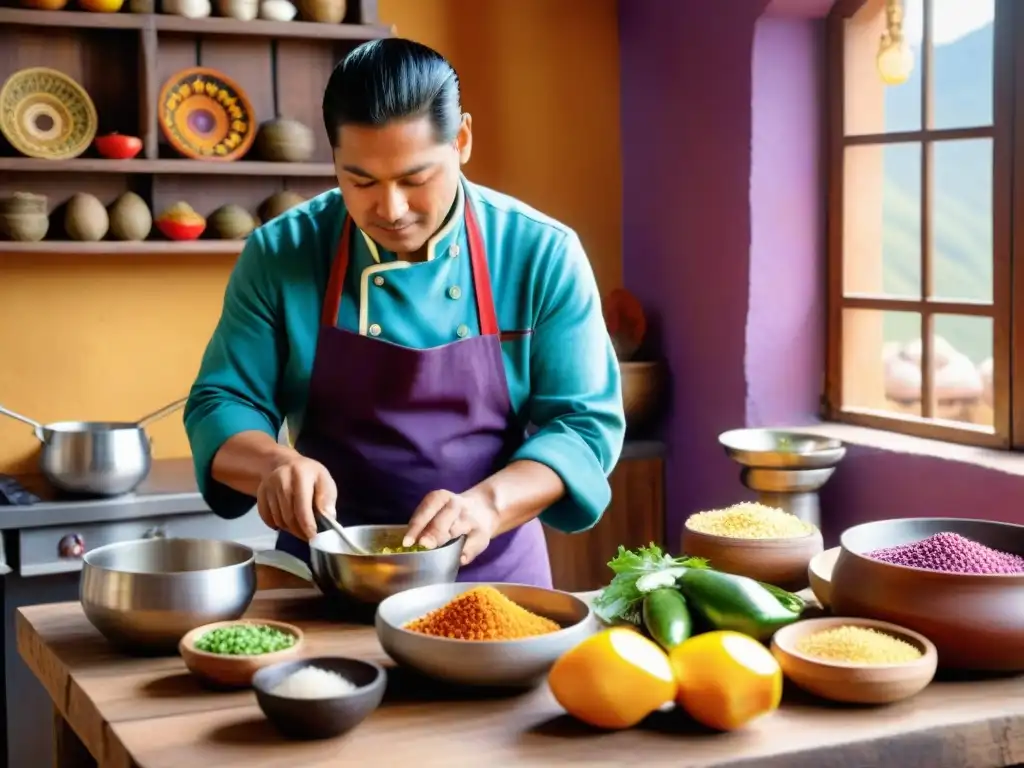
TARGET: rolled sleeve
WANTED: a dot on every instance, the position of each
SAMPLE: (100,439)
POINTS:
(234,390)
(576,391)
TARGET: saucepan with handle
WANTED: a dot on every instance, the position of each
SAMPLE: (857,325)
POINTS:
(97,458)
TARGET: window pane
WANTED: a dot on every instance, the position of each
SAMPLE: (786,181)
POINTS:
(963,369)
(882,220)
(963,61)
(879,372)
(961,220)
(870,105)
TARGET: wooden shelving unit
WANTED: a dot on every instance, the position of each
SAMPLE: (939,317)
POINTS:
(282,66)
(168,167)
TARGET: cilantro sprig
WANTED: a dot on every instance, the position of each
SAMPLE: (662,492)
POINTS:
(621,600)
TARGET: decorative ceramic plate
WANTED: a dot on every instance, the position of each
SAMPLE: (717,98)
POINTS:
(46,114)
(206,116)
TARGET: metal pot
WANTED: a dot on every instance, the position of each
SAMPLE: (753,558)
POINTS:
(145,595)
(101,458)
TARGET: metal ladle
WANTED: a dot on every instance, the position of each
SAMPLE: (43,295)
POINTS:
(339,529)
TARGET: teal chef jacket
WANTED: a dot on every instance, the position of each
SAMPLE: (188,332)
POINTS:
(563,375)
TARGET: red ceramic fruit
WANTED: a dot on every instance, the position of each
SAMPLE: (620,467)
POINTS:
(181,230)
(114,146)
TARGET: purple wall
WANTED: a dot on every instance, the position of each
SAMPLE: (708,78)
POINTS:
(786,311)
(724,245)
(711,131)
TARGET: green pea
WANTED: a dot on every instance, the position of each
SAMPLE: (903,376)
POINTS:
(244,640)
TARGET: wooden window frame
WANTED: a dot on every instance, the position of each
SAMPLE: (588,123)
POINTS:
(1007,314)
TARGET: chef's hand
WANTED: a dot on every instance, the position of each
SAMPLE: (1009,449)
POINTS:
(288,494)
(443,516)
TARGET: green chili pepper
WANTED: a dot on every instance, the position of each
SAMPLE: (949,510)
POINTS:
(666,617)
(735,603)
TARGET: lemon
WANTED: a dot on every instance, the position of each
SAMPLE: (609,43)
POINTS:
(726,679)
(613,679)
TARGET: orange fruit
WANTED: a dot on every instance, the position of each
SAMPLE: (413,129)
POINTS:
(726,679)
(613,679)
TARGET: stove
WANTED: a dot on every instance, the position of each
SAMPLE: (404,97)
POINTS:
(41,549)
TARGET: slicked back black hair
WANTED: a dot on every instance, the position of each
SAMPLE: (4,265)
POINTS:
(393,79)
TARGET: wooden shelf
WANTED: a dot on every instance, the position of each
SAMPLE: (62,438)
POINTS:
(278,29)
(302,30)
(117,247)
(71,19)
(184,167)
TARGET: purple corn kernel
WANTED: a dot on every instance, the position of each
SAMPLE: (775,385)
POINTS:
(950,553)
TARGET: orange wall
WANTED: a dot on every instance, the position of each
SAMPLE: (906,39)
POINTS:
(115,337)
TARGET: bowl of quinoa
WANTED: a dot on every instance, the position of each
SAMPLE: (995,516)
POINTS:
(957,581)
(856,661)
(754,540)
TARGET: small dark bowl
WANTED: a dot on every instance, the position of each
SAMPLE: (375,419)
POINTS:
(321,718)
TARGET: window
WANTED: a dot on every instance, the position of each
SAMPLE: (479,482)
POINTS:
(921,237)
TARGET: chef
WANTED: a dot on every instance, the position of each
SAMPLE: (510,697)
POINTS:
(436,348)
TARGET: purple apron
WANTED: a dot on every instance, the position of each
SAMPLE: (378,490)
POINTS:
(392,424)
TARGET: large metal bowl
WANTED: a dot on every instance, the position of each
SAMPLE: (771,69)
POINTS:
(975,621)
(338,571)
(781,449)
(499,663)
(145,595)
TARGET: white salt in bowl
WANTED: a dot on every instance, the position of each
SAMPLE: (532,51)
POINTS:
(326,716)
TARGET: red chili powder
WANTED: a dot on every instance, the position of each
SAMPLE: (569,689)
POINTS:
(952,553)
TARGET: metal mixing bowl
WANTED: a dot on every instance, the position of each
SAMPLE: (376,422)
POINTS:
(504,663)
(975,621)
(145,595)
(781,449)
(339,571)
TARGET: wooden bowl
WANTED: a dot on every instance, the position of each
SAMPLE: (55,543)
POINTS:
(782,562)
(234,671)
(819,573)
(974,620)
(854,683)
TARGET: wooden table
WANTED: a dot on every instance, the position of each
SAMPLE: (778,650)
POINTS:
(152,714)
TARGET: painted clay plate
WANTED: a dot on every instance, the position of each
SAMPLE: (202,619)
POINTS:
(206,116)
(46,114)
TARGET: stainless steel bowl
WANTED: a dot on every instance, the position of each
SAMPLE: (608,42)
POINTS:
(337,570)
(501,663)
(781,449)
(145,595)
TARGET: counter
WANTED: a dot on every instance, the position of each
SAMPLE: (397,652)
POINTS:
(151,713)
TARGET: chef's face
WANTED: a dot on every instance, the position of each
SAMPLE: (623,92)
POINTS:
(398,181)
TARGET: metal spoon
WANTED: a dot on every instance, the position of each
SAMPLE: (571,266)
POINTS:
(339,529)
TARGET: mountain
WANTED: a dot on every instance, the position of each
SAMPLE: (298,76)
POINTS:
(961,194)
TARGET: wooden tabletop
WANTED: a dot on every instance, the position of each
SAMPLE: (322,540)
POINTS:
(151,713)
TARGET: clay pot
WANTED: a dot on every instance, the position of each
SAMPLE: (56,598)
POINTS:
(23,202)
(974,620)
(24,227)
(278,203)
(231,222)
(782,562)
(85,218)
(284,141)
(642,387)
(242,10)
(277,10)
(130,218)
(322,11)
